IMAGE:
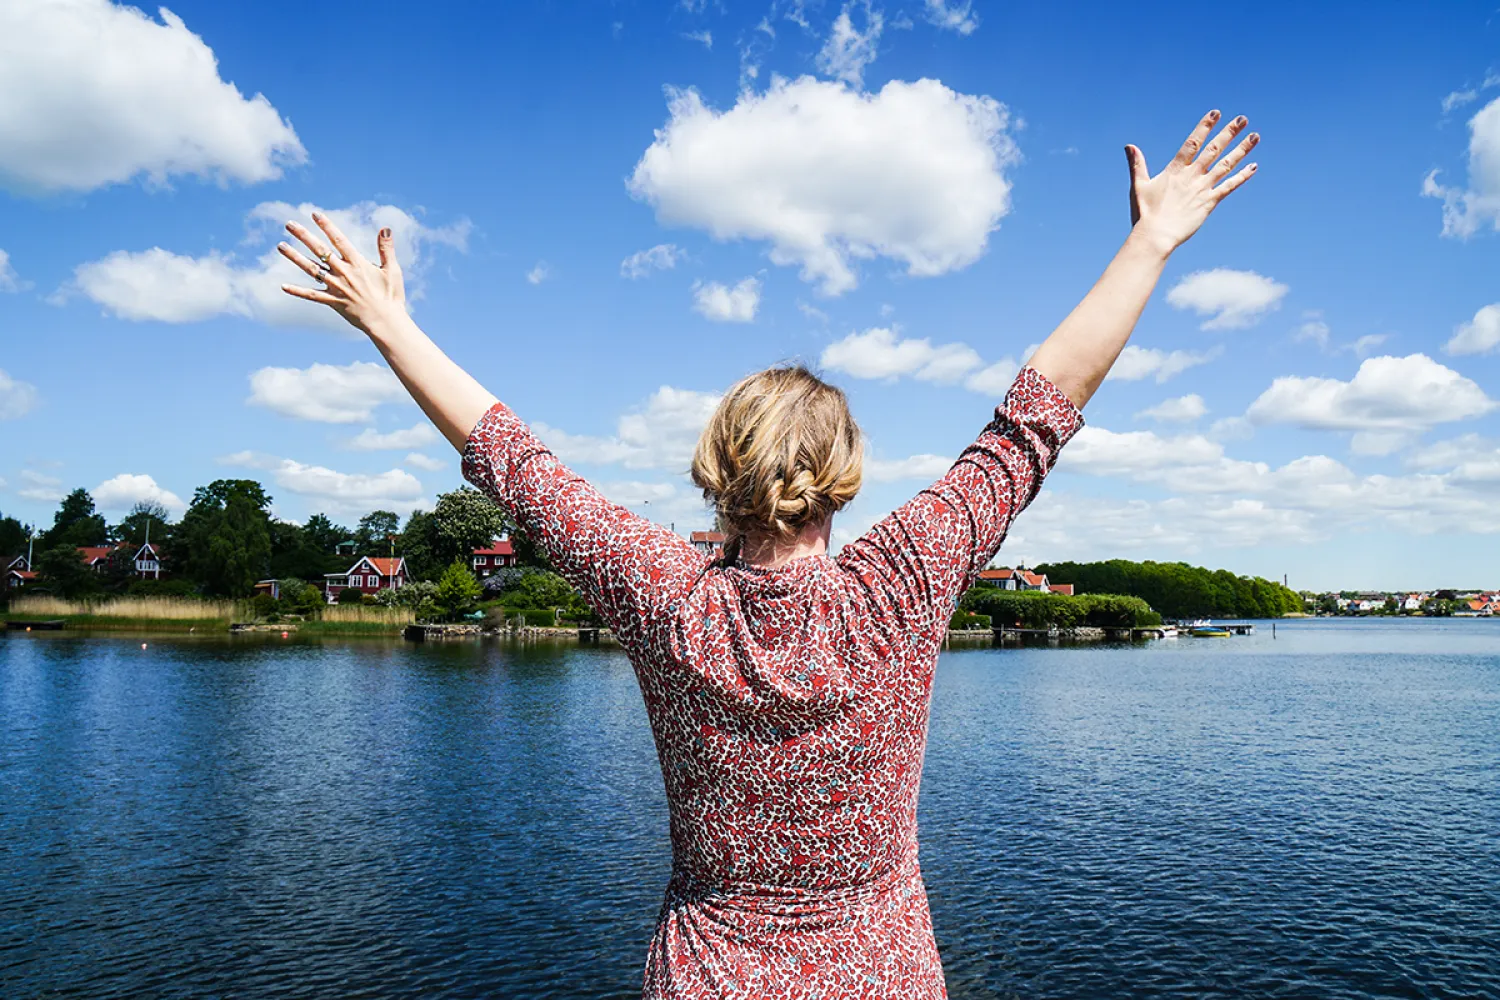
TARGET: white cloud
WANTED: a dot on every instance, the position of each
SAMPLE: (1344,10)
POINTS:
(10,281)
(125,490)
(39,486)
(1181,410)
(1387,396)
(540,273)
(159,285)
(1467,210)
(995,379)
(17,398)
(333,394)
(878,353)
(425,462)
(847,51)
(915,467)
(341,492)
(723,304)
(1313,329)
(661,435)
(418,435)
(827,175)
(704,38)
(662,257)
(93,94)
(1137,363)
(1230,299)
(1363,347)
(1458,99)
(953,15)
(1480,335)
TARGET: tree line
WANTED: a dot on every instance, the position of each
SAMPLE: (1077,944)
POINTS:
(1178,590)
(228,539)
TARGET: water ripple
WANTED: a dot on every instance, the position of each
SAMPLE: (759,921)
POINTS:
(1316,815)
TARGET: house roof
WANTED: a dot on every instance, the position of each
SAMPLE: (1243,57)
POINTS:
(380,564)
(713,537)
(996,574)
(388,567)
(93,553)
(9,561)
(499,547)
(1061,588)
(24,574)
(1035,579)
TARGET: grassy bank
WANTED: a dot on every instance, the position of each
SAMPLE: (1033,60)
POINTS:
(169,614)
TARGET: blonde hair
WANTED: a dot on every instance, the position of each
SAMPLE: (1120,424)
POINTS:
(782,451)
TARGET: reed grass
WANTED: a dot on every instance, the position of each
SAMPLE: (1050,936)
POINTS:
(364,614)
(139,608)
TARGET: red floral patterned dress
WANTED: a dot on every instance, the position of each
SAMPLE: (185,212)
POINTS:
(789,707)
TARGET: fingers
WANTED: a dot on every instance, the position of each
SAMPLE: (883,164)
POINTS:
(1139,172)
(308,267)
(312,295)
(386,244)
(340,241)
(319,249)
(1226,166)
(1223,190)
(1226,135)
(1189,150)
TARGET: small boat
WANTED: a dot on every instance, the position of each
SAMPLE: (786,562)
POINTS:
(1208,632)
(1168,631)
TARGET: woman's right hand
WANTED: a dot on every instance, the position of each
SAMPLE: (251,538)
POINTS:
(1166,210)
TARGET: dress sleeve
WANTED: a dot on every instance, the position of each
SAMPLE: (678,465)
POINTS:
(922,557)
(627,568)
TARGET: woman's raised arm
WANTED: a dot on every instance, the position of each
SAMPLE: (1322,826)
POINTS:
(373,298)
(1165,211)
(625,566)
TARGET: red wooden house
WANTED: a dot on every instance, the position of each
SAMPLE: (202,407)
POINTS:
(15,572)
(370,575)
(497,555)
(710,543)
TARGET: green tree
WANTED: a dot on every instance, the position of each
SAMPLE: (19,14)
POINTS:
(323,534)
(75,524)
(462,521)
(457,590)
(375,530)
(295,556)
(224,541)
(13,537)
(146,518)
(60,571)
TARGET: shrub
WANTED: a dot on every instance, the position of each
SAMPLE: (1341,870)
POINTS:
(350,595)
(1043,609)
(263,605)
(457,590)
(968,619)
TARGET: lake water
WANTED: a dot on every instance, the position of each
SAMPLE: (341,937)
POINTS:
(1314,815)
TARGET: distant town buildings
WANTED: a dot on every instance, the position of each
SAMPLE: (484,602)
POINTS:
(499,554)
(370,575)
(1021,579)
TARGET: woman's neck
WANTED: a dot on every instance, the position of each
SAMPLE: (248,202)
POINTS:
(771,552)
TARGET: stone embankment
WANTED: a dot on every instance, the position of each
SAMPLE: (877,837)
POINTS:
(470,630)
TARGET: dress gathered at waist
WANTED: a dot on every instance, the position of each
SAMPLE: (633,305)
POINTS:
(810,907)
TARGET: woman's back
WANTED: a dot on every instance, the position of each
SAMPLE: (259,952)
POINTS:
(789,706)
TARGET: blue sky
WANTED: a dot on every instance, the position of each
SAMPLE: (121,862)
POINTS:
(906,194)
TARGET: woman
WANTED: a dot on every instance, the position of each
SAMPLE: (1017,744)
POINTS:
(788,691)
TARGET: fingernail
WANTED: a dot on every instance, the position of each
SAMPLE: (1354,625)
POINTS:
(1241,120)
(1255,137)
(1213,115)
(385,234)
(317,215)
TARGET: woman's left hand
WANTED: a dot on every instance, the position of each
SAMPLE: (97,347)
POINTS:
(366,294)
